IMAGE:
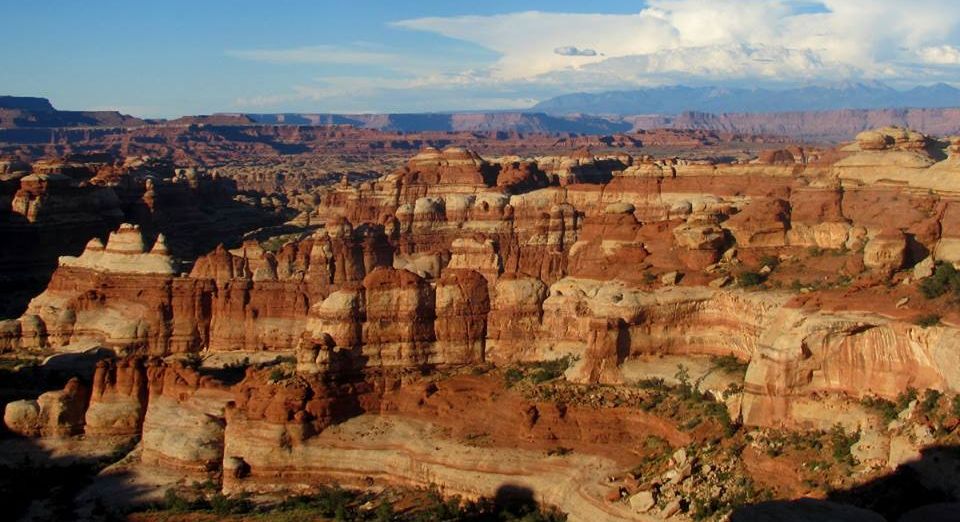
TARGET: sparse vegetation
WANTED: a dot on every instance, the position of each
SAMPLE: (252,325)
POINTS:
(771,261)
(512,376)
(841,443)
(729,364)
(750,279)
(945,279)
(338,504)
(905,398)
(549,370)
(928,320)
(931,399)
(559,451)
(537,373)
(192,360)
(886,409)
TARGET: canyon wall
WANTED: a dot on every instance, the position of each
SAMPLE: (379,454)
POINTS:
(624,265)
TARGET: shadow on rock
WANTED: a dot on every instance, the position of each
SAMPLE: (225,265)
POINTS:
(923,490)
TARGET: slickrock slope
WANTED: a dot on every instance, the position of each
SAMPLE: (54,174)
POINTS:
(787,290)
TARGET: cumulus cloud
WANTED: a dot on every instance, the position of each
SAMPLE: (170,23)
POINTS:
(569,50)
(666,42)
(717,40)
(940,55)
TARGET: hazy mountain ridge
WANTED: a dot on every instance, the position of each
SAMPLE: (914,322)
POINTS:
(825,125)
(679,99)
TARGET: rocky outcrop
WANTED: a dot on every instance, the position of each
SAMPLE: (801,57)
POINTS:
(57,413)
(118,399)
(59,206)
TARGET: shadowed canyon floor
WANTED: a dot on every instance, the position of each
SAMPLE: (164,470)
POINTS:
(614,337)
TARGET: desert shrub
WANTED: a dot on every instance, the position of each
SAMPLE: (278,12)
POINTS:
(683,377)
(905,398)
(384,512)
(437,508)
(814,251)
(931,398)
(729,364)
(926,321)
(549,370)
(481,369)
(175,503)
(732,389)
(749,279)
(512,376)
(955,406)
(771,261)
(328,501)
(192,360)
(277,375)
(945,279)
(224,505)
(651,383)
(841,443)
(887,409)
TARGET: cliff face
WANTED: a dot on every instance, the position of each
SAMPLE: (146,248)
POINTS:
(56,207)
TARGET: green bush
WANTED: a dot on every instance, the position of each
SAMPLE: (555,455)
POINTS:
(548,370)
(384,512)
(749,279)
(926,321)
(931,398)
(683,377)
(887,409)
(175,503)
(842,442)
(512,376)
(729,364)
(651,383)
(945,279)
(905,398)
(771,261)
(224,505)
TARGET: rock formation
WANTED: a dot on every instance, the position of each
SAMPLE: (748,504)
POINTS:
(627,268)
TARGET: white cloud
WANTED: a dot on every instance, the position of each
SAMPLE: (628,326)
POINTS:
(317,54)
(667,42)
(359,94)
(940,55)
(716,40)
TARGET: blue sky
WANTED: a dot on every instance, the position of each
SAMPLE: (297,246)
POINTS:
(177,57)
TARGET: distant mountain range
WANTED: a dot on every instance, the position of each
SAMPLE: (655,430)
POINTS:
(831,113)
(18,112)
(679,99)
